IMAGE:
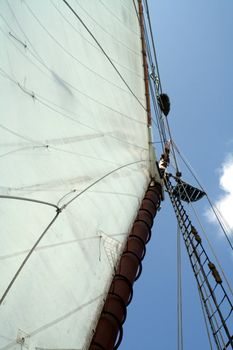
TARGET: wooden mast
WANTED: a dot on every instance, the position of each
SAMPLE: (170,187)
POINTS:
(108,333)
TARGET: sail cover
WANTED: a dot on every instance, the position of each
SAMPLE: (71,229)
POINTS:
(74,163)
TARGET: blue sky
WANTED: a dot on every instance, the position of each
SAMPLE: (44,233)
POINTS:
(195,54)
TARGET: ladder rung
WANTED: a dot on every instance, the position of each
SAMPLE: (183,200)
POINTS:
(212,291)
(230,342)
(229,314)
(219,306)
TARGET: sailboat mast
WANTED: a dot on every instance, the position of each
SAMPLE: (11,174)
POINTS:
(108,333)
(144,58)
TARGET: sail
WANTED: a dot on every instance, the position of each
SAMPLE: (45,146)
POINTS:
(75,163)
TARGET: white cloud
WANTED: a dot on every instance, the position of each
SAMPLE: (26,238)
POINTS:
(225,203)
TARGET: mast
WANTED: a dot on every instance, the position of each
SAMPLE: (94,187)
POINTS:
(109,332)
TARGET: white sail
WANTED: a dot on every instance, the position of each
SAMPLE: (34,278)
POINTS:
(74,163)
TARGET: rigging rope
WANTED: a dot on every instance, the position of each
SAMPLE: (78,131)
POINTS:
(218,263)
(159,121)
(135,8)
(63,48)
(158,125)
(101,178)
(204,282)
(153,44)
(205,296)
(58,212)
(208,241)
(29,200)
(104,52)
(179,293)
(205,320)
(28,256)
(214,296)
(103,29)
(172,146)
(208,198)
(159,115)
